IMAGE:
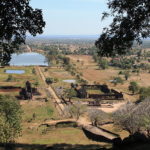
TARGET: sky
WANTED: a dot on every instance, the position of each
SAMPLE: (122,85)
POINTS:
(72,17)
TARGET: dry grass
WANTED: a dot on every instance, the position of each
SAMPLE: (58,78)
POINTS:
(92,73)
(42,110)
(112,128)
(60,74)
(19,79)
(55,136)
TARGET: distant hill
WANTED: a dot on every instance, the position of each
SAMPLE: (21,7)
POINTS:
(76,37)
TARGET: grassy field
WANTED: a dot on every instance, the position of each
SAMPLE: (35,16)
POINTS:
(56,136)
(94,92)
(18,80)
(60,74)
(40,109)
(42,135)
(36,112)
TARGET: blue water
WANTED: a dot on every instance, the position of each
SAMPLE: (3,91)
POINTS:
(15,71)
(28,59)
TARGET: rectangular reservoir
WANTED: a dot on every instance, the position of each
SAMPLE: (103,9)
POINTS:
(15,71)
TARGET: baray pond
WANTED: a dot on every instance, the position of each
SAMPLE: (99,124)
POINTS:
(28,59)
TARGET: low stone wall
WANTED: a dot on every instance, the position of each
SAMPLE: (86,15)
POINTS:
(109,94)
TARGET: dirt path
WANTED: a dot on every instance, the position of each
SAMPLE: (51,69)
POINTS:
(99,131)
(115,107)
(57,101)
(86,124)
(29,49)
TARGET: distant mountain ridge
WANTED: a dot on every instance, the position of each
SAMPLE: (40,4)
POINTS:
(94,37)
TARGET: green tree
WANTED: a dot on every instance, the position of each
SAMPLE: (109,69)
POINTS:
(70,93)
(66,60)
(133,87)
(126,75)
(33,71)
(36,84)
(49,80)
(10,78)
(103,63)
(46,69)
(117,80)
(10,119)
(144,93)
(55,80)
(130,23)
(51,56)
(16,19)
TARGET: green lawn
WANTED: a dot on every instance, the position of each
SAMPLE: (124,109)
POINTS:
(61,75)
(38,111)
(18,79)
(56,136)
(94,92)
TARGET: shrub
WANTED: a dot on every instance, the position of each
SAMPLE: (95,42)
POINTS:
(144,93)
(10,78)
(49,80)
(103,63)
(33,71)
(70,93)
(117,80)
(133,87)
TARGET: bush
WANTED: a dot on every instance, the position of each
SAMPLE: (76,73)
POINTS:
(36,84)
(46,69)
(49,80)
(103,63)
(126,75)
(70,93)
(133,87)
(144,93)
(117,80)
(33,71)
(10,78)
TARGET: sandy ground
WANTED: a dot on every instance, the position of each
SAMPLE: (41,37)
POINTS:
(114,108)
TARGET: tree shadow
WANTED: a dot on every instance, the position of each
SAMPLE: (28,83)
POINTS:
(97,138)
(135,142)
(138,141)
(62,146)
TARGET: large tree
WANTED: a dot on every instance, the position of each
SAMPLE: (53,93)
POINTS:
(17,18)
(10,119)
(131,22)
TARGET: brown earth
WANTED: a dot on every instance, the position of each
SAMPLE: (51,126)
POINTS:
(92,73)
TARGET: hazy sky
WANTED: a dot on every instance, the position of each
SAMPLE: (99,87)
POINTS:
(72,17)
